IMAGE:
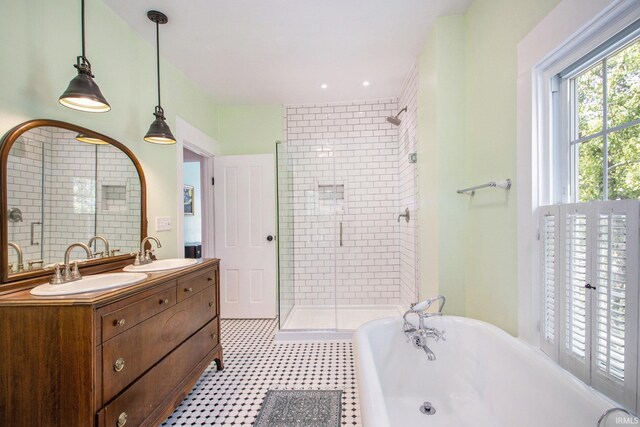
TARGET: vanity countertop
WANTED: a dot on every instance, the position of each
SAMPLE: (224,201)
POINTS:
(23,297)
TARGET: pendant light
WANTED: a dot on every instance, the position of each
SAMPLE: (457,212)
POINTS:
(90,139)
(159,132)
(83,93)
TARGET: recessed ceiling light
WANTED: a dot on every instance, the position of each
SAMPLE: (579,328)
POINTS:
(365,83)
(323,86)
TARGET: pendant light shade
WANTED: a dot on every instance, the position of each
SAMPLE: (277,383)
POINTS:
(83,93)
(90,139)
(159,132)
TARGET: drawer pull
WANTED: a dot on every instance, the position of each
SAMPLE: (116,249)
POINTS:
(119,365)
(209,279)
(211,303)
(118,322)
(213,335)
(188,289)
(164,301)
(122,419)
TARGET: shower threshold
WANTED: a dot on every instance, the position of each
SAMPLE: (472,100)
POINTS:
(318,323)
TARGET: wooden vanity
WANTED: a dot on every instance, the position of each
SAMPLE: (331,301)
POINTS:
(108,359)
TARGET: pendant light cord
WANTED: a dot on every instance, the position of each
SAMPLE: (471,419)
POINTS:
(158,59)
(82,27)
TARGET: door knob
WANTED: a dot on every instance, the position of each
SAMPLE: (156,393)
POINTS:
(270,238)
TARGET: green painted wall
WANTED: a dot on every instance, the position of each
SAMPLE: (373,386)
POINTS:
(467,136)
(40,40)
(250,129)
(440,171)
(493,29)
(429,268)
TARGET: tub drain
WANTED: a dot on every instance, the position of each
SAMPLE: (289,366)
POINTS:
(427,409)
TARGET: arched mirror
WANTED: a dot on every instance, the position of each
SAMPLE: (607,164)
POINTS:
(63,184)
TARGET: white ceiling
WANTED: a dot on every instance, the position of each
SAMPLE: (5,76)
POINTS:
(281,51)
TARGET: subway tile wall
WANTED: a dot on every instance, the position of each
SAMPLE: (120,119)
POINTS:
(52,178)
(118,205)
(345,172)
(408,188)
(69,195)
(24,192)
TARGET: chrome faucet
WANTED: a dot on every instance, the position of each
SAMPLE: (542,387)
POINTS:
(144,256)
(18,250)
(104,240)
(70,274)
(418,336)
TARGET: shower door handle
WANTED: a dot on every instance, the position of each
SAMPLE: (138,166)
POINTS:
(340,234)
(33,224)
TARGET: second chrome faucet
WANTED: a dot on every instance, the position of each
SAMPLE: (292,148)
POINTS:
(144,256)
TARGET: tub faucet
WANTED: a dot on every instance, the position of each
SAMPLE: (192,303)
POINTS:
(104,240)
(418,336)
(144,256)
(430,354)
(18,250)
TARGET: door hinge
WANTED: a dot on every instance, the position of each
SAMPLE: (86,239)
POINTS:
(538,325)
(538,234)
(213,182)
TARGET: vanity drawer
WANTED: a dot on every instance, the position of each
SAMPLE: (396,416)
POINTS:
(122,358)
(140,400)
(194,283)
(127,317)
(215,332)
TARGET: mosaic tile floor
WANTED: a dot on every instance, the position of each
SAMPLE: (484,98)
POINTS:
(253,364)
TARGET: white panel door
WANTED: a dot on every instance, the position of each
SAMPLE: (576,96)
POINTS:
(245,235)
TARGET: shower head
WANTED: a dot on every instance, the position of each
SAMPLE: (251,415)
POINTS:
(395,120)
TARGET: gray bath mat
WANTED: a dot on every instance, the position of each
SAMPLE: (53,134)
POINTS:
(301,408)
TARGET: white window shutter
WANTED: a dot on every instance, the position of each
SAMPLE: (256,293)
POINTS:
(589,255)
(549,229)
(575,315)
(615,301)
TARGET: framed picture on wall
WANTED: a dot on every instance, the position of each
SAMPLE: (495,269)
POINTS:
(188,200)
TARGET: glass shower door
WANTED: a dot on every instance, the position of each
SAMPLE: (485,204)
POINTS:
(367,255)
(308,198)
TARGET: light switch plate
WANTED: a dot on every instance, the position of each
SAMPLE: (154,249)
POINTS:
(163,223)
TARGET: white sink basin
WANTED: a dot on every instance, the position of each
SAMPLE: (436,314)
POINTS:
(162,264)
(96,282)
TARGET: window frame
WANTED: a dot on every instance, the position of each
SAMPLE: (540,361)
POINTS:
(564,120)
(551,181)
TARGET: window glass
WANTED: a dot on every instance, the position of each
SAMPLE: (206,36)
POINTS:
(623,86)
(590,175)
(590,98)
(618,137)
(623,163)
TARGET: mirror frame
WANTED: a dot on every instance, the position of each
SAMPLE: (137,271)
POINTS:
(9,283)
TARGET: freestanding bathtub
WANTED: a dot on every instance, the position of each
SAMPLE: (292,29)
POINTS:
(482,377)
